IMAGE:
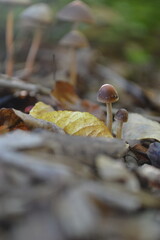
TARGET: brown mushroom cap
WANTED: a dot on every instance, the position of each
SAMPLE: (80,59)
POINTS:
(76,11)
(38,13)
(107,94)
(15,2)
(121,115)
(74,39)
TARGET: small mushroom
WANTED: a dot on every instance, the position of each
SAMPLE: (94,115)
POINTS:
(36,16)
(121,116)
(76,12)
(9,31)
(74,40)
(107,94)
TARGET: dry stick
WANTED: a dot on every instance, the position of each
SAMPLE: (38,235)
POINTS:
(9,43)
(18,84)
(33,52)
(32,122)
(73,67)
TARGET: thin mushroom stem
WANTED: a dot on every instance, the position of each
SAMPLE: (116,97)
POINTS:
(9,43)
(33,52)
(119,129)
(75,25)
(73,67)
(109,118)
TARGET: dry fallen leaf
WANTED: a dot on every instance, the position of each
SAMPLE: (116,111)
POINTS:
(65,93)
(9,121)
(139,127)
(42,108)
(73,123)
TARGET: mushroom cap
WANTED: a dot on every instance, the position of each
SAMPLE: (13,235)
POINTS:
(107,94)
(15,2)
(38,13)
(74,39)
(76,11)
(121,115)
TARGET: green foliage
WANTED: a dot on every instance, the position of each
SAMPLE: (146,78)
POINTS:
(136,54)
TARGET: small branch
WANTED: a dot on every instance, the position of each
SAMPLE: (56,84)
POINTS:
(38,123)
(16,83)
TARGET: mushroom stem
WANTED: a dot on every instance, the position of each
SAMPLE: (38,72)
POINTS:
(9,43)
(75,25)
(109,118)
(33,52)
(73,67)
(119,129)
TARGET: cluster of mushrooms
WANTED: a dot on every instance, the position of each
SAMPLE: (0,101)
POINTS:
(107,94)
(36,17)
(76,12)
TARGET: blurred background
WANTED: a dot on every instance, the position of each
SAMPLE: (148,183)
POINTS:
(125,38)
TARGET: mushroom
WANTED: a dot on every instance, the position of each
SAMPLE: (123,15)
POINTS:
(36,16)
(108,94)
(76,12)
(74,40)
(121,116)
(9,31)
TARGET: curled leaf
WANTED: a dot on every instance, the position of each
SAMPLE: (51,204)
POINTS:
(73,123)
(139,127)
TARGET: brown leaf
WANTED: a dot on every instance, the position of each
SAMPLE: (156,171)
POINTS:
(9,121)
(65,93)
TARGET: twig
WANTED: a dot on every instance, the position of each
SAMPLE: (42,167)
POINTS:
(38,123)
(19,84)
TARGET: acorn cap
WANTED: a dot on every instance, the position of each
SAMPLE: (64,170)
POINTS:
(74,39)
(76,11)
(38,13)
(107,94)
(15,2)
(121,115)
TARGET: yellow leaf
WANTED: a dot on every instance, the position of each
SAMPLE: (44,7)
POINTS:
(41,108)
(73,123)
